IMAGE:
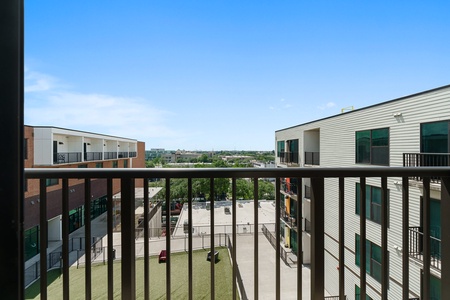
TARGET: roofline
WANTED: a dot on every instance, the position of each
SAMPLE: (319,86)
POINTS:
(370,106)
(81,131)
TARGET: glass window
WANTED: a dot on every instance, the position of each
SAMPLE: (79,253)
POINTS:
(373,203)
(115,164)
(280,148)
(373,258)
(358,293)
(31,242)
(372,146)
(82,166)
(51,181)
(434,137)
(99,165)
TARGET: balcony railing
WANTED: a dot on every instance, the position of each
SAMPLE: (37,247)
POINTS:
(426,160)
(89,156)
(66,157)
(317,177)
(123,154)
(110,155)
(289,157)
(133,153)
(312,158)
(416,247)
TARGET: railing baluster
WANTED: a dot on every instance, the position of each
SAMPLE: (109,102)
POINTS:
(317,239)
(190,262)
(65,237)
(233,208)
(87,237)
(405,235)
(168,275)
(426,238)
(362,236)
(146,245)
(212,249)
(299,240)
(110,224)
(384,241)
(255,239)
(128,239)
(341,239)
(277,238)
(445,243)
(43,236)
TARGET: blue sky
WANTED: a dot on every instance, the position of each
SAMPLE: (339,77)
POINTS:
(224,75)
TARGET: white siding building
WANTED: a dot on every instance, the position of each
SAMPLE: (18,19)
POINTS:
(412,131)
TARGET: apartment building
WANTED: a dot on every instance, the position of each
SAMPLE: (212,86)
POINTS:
(52,147)
(409,131)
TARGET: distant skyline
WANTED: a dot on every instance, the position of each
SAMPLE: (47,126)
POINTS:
(224,75)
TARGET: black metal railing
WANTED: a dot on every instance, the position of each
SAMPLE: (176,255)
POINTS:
(317,176)
(66,157)
(89,156)
(426,160)
(289,157)
(110,155)
(416,247)
(132,153)
(123,154)
(312,158)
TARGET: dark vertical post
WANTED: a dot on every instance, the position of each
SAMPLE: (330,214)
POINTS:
(11,154)
(213,257)
(110,224)
(341,239)
(299,239)
(445,234)
(128,239)
(255,239)
(65,237)
(146,241)
(317,238)
(384,241)
(168,295)
(43,236)
(426,238)
(277,238)
(87,237)
(405,238)
(233,252)
(190,246)
(362,237)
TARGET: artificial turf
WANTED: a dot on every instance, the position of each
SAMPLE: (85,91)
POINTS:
(179,279)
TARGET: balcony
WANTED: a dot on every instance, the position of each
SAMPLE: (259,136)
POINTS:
(312,158)
(90,156)
(426,160)
(66,157)
(123,154)
(133,153)
(289,158)
(288,219)
(317,175)
(110,155)
(416,247)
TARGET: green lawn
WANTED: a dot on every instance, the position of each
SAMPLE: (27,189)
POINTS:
(179,279)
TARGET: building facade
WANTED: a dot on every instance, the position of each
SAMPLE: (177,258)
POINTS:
(51,147)
(409,131)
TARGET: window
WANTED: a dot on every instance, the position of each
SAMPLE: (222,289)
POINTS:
(358,294)
(280,148)
(373,258)
(115,164)
(372,147)
(434,137)
(82,166)
(125,163)
(51,181)
(31,242)
(373,203)
(99,165)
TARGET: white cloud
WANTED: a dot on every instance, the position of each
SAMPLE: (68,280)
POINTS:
(326,106)
(48,105)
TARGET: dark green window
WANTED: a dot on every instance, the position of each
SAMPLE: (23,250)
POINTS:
(280,148)
(373,202)
(31,242)
(99,165)
(125,163)
(358,294)
(372,147)
(51,181)
(115,164)
(434,137)
(82,166)
(373,258)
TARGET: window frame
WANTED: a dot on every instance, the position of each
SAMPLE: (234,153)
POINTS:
(371,146)
(370,203)
(370,259)
(280,148)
